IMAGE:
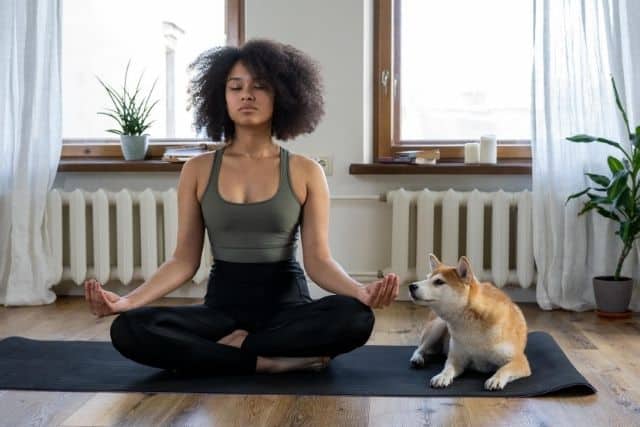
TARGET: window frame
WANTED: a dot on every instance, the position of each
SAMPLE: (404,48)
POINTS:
(386,98)
(110,147)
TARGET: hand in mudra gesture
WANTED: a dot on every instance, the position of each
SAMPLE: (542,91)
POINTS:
(102,302)
(380,293)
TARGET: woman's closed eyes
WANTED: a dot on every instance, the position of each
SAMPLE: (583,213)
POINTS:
(255,86)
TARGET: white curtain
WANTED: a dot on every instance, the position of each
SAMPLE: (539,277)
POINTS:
(30,144)
(578,46)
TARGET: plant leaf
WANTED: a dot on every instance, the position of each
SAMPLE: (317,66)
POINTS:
(146,113)
(588,139)
(581,138)
(578,194)
(146,101)
(614,144)
(587,207)
(636,160)
(622,201)
(131,110)
(620,107)
(624,231)
(116,118)
(115,97)
(614,164)
(635,227)
(599,179)
(599,199)
(608,214)
(618,179)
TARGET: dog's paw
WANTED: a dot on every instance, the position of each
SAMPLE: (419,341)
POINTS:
(496,382)
(417,360)
(441,380)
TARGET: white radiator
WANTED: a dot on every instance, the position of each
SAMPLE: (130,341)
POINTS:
(140,246)
(422,236)
(155,238)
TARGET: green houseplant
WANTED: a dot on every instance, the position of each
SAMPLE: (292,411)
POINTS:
(131,111)
(615,196)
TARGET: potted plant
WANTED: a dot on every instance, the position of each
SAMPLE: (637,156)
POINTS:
(615,196)
(131,112)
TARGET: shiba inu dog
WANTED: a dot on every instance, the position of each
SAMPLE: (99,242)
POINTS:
(475,324)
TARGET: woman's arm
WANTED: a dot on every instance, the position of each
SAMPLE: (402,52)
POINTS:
(175,271)
(318,262)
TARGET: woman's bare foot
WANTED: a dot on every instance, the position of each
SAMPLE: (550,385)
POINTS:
(277,364)
(234,339)
(283,364)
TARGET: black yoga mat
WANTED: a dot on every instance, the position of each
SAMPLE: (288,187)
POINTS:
(372,370)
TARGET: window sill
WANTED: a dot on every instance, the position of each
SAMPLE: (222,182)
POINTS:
(114,164)
(503,167)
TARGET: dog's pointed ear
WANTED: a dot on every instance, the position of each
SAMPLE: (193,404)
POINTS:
(434,262)
(464,269)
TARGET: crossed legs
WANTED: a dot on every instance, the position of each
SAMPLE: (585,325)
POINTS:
(205,339)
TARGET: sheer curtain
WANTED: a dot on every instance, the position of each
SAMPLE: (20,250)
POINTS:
(578,46)
(30,144)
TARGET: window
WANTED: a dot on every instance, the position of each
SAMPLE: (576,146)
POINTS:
(447,72)
(161,38)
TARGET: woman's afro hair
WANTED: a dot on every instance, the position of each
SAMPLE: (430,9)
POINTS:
(293,76)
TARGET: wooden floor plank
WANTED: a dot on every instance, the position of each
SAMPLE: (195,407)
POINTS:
(233,410)
(37,408)
(604,351)
(395,411)
(104,409)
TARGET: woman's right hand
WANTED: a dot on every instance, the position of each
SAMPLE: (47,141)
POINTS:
(380,293)
(102,302)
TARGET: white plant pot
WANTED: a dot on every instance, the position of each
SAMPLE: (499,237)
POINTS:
(134,147)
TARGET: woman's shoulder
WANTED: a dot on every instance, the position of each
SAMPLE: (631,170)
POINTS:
(204,157)
(305,171)
(197,171)
(198,167)
(303,163)
(197,163)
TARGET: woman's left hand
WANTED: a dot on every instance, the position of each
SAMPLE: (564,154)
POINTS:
(380,293)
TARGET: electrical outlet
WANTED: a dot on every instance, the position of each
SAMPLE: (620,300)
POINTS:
(326,162)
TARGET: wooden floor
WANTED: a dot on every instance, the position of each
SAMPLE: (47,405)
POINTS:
(607,353)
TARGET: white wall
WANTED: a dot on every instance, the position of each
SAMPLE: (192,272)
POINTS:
(338,34)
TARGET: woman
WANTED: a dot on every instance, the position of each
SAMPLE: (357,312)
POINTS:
(252,197)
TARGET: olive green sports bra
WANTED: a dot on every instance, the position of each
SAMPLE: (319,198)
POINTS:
(265,231)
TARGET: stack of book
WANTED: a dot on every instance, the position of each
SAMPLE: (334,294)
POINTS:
(428,156)
(184,153)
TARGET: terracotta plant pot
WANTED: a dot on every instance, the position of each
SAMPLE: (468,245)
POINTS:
(613,296)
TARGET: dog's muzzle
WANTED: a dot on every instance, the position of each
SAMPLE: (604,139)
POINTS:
(412,289)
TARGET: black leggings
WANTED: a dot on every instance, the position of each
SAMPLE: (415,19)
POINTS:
(269,300)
